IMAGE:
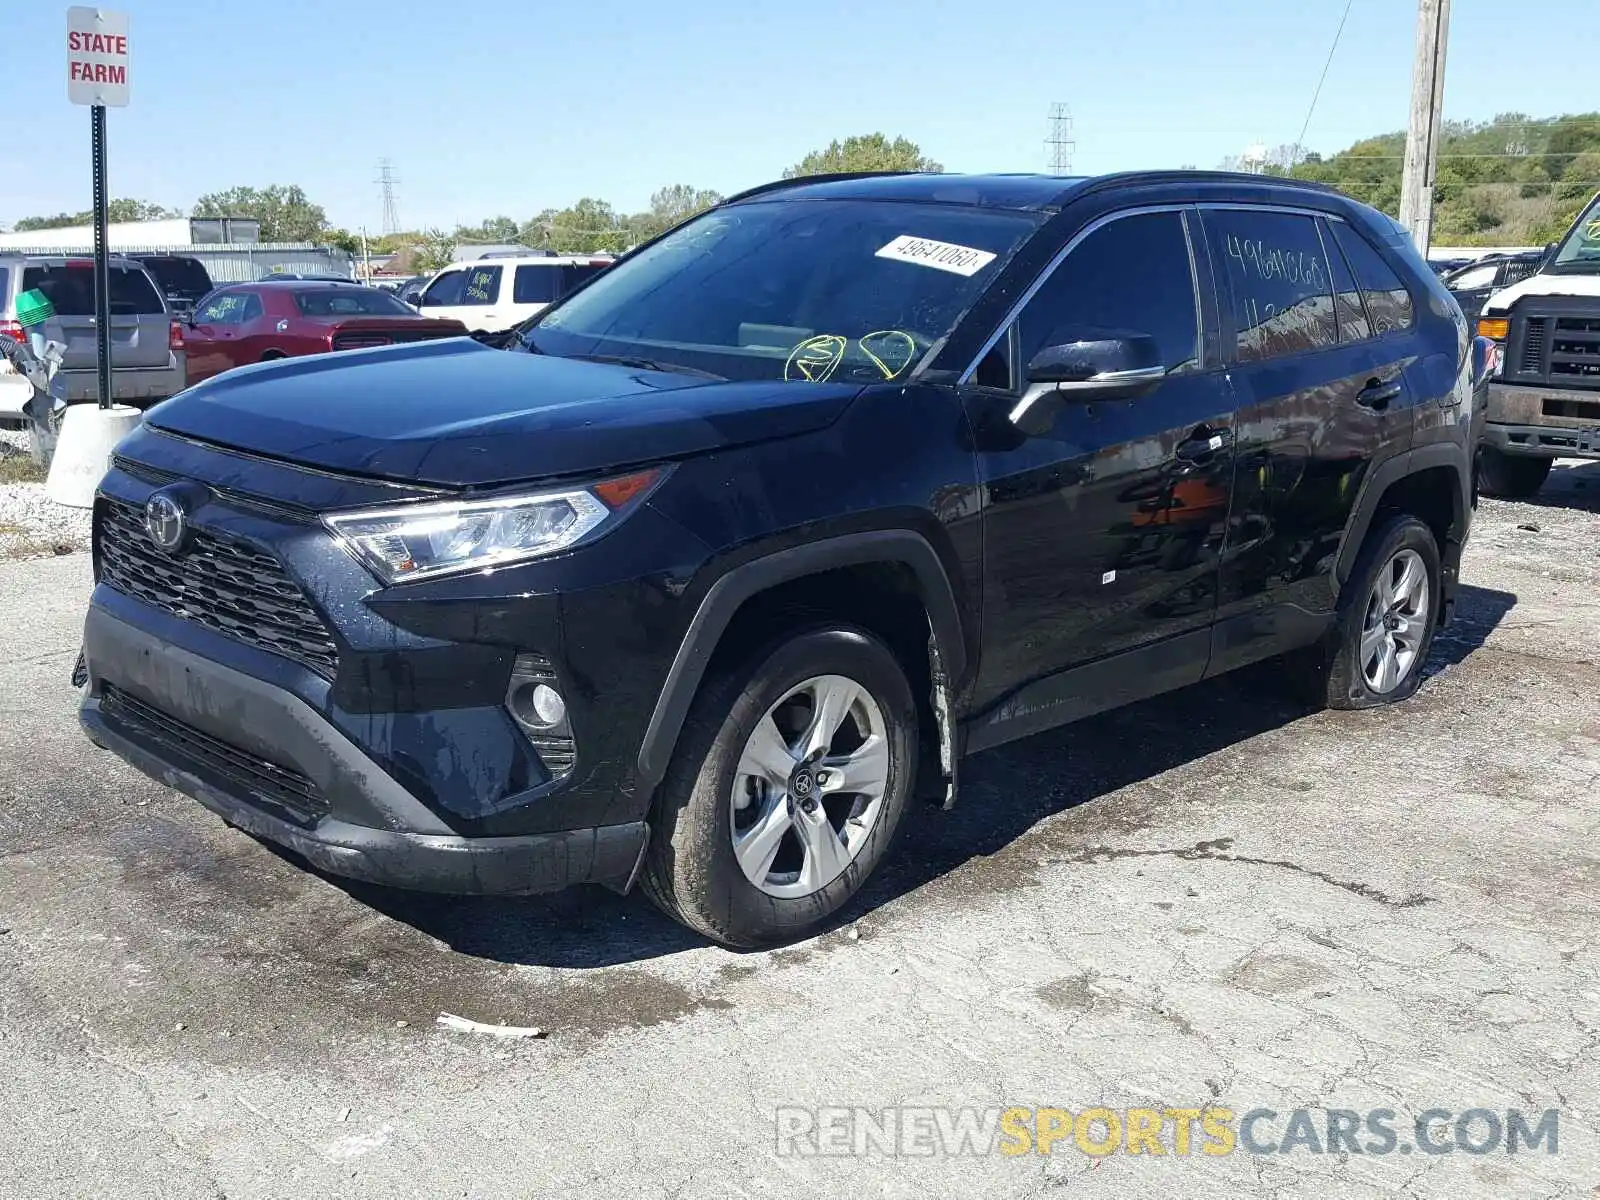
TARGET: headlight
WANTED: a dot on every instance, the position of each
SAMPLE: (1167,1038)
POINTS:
(418,541)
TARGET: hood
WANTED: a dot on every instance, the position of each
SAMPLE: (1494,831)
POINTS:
(1543,285)
(456,413)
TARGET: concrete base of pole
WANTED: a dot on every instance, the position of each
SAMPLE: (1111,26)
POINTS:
(83,452)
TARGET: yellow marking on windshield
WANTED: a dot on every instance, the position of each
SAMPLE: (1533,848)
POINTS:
(895,350)
(816,358)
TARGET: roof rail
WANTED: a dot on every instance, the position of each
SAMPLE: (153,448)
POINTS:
(778,185)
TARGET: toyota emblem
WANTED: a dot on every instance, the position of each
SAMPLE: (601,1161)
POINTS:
(166,522)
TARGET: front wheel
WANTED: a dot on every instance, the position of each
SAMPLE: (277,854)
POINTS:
(790,778)
(1511,476)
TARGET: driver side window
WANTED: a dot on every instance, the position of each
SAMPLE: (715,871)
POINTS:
(445,290)
(1133,274)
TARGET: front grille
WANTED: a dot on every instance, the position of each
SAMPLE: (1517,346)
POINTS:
(1557,349)
(1533,340)
(220,583)
(281,787)
(1575,350)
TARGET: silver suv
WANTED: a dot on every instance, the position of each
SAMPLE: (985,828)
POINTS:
(147,358)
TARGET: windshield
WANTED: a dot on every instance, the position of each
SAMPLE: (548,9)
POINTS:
(340,302)
(803,290)
(1580,251)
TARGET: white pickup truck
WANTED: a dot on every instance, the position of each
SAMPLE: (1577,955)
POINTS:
(1544,402)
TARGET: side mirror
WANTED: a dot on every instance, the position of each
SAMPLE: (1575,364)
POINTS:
(1093,365)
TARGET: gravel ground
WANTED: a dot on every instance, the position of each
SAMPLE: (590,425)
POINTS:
(31,525)
(1214,898)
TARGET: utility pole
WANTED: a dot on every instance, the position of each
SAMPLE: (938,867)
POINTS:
(1422,130)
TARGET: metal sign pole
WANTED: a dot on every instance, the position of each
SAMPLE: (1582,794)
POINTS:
(102,264)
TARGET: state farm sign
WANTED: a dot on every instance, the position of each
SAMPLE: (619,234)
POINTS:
(97,57)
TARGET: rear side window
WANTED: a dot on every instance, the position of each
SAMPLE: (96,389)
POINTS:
(71,290)
(1352,313)
(482,285)
(5,278)
(1388,303)
(534,284)
(1282,295)
(1132,274)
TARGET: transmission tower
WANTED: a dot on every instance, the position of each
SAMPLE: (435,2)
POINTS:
(1060,140)
(387,181)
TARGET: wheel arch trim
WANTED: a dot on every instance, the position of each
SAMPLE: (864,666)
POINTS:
(724,598)
(1386,475)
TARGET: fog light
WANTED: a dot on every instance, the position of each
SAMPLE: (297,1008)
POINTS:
(535,702)
(539,706)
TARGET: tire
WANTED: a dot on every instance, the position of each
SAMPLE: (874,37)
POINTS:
(711,793)
(1338,672)
(1511,476)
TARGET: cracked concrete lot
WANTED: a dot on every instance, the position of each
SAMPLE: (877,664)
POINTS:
(1215,898)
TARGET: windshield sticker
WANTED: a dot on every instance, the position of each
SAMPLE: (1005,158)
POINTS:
(890,350)
(942,256)
(815,359)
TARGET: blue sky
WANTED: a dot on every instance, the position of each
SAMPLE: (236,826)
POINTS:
(501,106)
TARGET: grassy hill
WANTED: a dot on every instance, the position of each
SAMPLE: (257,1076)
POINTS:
(1515,180)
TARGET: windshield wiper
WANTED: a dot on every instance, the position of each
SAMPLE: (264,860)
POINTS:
(648,364)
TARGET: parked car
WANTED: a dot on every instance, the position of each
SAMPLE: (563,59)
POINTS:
(147,352)
(182,278)
(1473,284)
(258,322)
(494,294)
(311,277)
(1544,402)
(835,483)
(411,289)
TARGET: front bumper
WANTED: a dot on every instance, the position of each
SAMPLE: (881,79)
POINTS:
(1519,424)
(222,737)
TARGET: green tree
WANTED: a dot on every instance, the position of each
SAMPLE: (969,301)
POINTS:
(670,206)
(340,239)
(499,230)
(285,213)
(589,225)
(432,251)
(121,209)
(864,152)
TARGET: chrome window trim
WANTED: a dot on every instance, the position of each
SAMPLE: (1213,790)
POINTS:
(1098,223)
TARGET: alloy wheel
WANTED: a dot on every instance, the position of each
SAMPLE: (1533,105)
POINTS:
(809,787)
(1396,622)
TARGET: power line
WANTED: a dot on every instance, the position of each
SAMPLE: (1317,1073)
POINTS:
(1321,79)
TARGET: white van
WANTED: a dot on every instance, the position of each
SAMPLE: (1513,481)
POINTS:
(493,294)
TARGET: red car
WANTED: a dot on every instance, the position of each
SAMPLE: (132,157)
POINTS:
(255,322)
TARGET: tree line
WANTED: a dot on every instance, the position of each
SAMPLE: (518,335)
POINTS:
(592,225)
(1514,180)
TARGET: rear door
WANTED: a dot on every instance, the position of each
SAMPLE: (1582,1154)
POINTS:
(141,326)
(1322,397)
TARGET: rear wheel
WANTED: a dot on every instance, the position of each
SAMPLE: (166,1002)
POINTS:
(1387,617)
(790,778)
(1511,476)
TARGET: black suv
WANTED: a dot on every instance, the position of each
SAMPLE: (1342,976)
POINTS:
(788,511)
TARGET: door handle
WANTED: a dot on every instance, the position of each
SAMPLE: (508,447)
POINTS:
(1377,394)
(1202,444)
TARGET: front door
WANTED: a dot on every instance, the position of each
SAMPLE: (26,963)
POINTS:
(1102,536)
(1319,376)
